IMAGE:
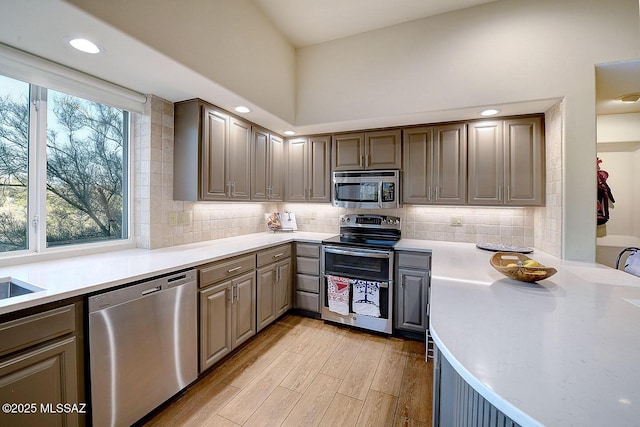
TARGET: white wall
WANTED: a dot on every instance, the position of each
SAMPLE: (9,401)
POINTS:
(506,51)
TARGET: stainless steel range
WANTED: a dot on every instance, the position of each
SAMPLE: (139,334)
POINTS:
(357,267)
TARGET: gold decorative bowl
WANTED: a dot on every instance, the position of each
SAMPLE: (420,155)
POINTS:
(500,260)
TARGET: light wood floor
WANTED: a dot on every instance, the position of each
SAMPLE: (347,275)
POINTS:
(304,372)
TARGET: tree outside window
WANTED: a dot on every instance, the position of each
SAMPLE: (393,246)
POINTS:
(86,145)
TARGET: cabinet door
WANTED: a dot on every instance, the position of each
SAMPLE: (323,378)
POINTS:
(524,161)
(276,168)
(243,309)
(450,164)
(383,149)
(297,170)
(411,299)
(214,167)
(260,179)
(348,152)
(416,186)
(486,163)
(215,324)
(239,151)
(284,291)
(44,375)
(320,169)
(265,295)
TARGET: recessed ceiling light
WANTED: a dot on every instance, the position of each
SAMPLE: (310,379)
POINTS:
(630,98)
(242,109)
(84,45)
(489,112)
(289,132)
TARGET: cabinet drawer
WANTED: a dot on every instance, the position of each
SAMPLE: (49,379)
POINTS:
(308,301)
(270,255)
(419,260)
(307,266)
(37,328)
(307,283)
(221,270)
(308,250)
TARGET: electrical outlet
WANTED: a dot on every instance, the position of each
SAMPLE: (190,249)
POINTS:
(185,218)
(173,218)
(456,221)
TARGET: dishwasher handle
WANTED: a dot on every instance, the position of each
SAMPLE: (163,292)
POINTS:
(151,291)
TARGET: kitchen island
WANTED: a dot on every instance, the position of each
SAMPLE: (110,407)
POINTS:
(562,352)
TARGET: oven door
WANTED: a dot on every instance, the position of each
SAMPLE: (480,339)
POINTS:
(359,264)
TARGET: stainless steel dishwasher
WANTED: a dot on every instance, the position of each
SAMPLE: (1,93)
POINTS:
(142,347)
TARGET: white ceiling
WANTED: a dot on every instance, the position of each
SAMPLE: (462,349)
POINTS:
(307,22)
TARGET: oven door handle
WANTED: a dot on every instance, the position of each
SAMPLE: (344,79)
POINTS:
(369,253)
(384,284)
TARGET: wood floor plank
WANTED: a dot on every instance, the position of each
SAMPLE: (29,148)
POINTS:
(360,375)
(415,393)
(198,404)
(342,412)
(343,356)
(388,377)
(275,409)
(319,352)
(264,366)
(314,402)
(378,411)
(242,406)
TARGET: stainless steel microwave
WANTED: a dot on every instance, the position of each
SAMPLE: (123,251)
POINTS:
(378,189)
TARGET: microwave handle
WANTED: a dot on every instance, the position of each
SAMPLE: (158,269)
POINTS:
(380,194)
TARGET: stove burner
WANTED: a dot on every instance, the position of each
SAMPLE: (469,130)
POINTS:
(372,231)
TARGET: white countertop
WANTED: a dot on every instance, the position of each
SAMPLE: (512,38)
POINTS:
(70,277)
(563,352)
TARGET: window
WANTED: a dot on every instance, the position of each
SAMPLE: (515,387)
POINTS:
(63,169)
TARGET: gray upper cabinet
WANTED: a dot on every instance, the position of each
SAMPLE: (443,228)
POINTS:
(267,166)
(435,160)
(308,170)
(506,162)
(368,150)
(211,154)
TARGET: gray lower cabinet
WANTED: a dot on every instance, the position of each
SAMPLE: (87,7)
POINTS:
(308,279)
(41,367)
(412,291)
(227,307)
(273,283)
(456,403)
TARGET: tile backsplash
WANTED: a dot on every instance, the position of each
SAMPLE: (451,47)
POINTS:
(161,221)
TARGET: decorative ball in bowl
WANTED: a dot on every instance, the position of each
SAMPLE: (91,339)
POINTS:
(520,267)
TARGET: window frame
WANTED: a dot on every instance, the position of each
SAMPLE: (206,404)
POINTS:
(37,249)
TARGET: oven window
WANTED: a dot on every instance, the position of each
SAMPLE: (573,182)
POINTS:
(357,267)
(357,192)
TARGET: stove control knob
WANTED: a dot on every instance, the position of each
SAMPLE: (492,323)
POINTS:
(348,219)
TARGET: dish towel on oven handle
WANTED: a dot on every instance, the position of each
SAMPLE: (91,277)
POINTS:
(338,294)
(366,297)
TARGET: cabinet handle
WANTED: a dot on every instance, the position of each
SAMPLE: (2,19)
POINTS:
(231,270)
(229,189)
(429,193)
(508,193)
(230,295)
(500,192)
(366,163)
(277,274)
(278,255)
(361,161)
(233,188)
(436,198)
(236,293)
